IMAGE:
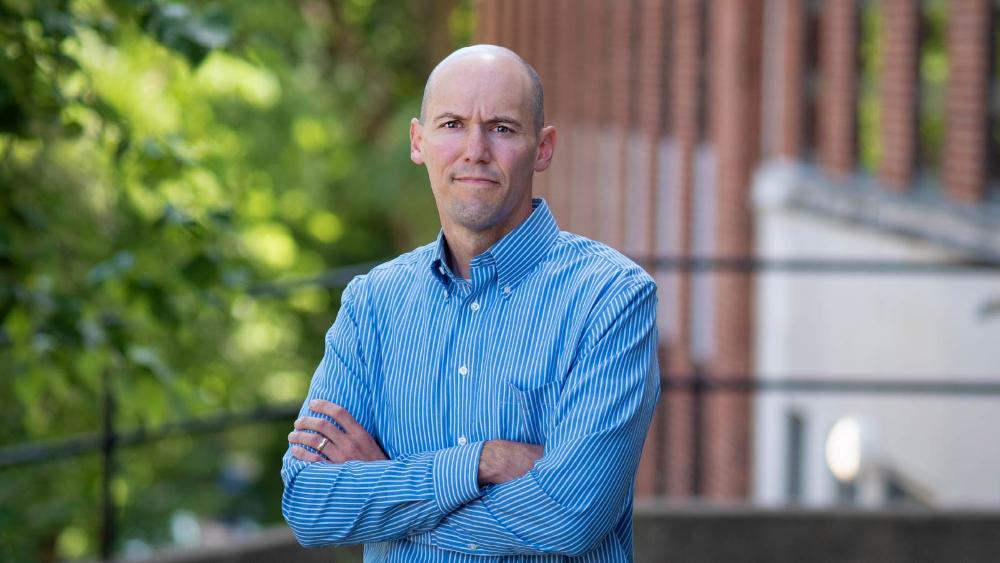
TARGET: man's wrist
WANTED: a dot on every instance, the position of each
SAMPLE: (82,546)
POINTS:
(455,476)
(487,468)
(502,461)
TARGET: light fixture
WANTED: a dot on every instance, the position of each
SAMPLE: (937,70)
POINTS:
(849,448)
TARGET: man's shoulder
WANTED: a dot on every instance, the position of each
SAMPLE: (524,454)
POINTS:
(400,269)
(595,260)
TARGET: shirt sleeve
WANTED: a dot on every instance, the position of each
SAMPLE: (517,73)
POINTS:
(356,502)
(581,487)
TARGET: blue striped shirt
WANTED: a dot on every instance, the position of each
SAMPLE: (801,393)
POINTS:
(552,341)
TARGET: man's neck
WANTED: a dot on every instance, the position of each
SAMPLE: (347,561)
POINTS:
(465,244)
(462,249)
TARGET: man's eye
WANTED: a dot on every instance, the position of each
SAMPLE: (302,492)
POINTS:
(503,129)
(452,124)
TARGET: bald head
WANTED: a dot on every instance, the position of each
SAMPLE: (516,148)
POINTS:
(491,53)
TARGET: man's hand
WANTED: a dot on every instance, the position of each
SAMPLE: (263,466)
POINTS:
(503,461)
(350,442)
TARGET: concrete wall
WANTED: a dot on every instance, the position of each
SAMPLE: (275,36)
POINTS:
(836,326)
(699,534)
(695,535)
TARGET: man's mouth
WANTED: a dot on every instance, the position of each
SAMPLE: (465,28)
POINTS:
(476,180)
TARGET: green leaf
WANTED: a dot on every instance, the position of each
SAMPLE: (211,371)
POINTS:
(115,329)
(114,267)
(57,24)
(72,130)
(161,160)
(13,118)
(191,35)
(212,31)
(121,148)
(149,358)
(175,217)
(202,270)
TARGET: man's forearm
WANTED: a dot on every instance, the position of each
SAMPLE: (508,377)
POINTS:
(502,461)
(357,502)
(530,515)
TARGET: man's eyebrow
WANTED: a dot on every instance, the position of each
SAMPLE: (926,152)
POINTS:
(494,119)
(504,119)
(448,115)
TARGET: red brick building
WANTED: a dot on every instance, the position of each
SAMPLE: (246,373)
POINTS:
(666,110)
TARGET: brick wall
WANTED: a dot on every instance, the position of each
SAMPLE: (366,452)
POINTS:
(625,88)
(965,158)
(736,28)
(838,87)
(648,118)
(684,107)
(790,67)
(899,83)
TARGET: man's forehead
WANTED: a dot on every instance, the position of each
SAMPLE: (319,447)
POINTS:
(464,100)
(482,82)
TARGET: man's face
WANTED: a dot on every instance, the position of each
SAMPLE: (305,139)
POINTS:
(479,145)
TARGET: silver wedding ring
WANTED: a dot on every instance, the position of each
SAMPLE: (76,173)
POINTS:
(322,444)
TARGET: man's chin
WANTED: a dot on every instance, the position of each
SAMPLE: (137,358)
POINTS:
(476,217)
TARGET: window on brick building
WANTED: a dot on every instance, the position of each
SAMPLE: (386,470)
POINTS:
(933,80)
(795,460)
(870,48)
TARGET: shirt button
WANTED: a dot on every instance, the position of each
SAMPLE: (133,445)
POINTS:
(441,269)
(473,546)
(474,306)
(506,290)
(463,370)
(446,294)
(462,440)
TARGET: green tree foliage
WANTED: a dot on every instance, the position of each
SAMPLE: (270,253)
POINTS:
(170,172)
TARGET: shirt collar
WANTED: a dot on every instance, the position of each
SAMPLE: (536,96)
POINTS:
(439,266)
(516,254)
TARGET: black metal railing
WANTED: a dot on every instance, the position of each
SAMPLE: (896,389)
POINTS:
(110,439)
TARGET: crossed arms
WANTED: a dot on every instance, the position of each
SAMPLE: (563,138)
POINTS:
(487,498)
(500,461)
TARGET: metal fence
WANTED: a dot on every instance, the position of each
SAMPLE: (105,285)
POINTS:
(110,439)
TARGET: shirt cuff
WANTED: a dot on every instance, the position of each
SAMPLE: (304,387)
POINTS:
(456,476)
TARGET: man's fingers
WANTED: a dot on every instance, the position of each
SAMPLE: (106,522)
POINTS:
(320,425)
(298,452)
(353,442)
(337,413)
(347,422)
(310,439)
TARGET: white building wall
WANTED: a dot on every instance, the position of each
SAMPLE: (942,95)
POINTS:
(885,326)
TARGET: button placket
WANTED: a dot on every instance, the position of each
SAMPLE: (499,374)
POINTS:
(466,345)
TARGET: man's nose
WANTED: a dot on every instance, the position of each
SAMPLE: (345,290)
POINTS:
(477,145)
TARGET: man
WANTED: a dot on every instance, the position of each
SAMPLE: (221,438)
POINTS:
(487,394)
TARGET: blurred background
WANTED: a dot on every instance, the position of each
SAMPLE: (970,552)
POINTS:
(186,187)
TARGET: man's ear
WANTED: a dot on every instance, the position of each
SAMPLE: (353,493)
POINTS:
(546,148)
(416,138)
